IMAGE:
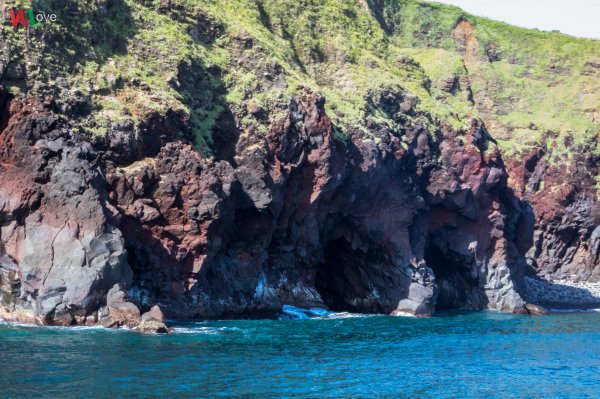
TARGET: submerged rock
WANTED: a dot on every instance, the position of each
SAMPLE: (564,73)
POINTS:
(536,310)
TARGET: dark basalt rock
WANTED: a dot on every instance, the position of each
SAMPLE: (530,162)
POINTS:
(567,215)
(366,224)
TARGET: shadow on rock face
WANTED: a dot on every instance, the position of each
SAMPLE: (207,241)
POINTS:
(302,219)
(457,278)
(308,220)
(561,294)
(347,278)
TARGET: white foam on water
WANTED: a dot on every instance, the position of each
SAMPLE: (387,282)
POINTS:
(289,312)
(346,315)
(205,330)
(16,324)
(63,328)
(575,310)
(294,313)
(404,314)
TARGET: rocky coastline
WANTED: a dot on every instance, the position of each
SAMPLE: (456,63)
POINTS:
(173,238)
(366,242)
(388,205)
(560,295)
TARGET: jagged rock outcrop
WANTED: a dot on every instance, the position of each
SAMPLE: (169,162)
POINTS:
(564,200)
(311,221)
(188,171)
(59,253)
(381,222)
(558,182)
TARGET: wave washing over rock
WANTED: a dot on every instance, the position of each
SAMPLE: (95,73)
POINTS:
(289,312)
(221,184)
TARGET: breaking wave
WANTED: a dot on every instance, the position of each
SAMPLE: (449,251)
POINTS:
(289,312)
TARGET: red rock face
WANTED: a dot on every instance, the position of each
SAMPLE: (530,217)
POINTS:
(560,189)
(566,241)
(367,224)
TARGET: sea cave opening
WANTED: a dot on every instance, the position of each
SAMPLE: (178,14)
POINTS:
(341,278)
(454,278)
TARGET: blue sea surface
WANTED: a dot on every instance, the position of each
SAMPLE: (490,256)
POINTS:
(456,355)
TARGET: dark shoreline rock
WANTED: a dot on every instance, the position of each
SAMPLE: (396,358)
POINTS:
(562,295)
(301,218)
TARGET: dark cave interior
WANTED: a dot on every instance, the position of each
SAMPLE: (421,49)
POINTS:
(452,276)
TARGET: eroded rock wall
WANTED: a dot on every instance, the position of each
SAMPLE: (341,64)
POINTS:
(59,254)
(555,175)
(376,222)
(566,240)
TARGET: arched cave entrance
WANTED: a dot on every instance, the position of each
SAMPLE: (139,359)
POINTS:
(454,275)
(336,278)
(364,280)
(345,279)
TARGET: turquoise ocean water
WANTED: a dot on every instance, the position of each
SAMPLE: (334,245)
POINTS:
(457,355)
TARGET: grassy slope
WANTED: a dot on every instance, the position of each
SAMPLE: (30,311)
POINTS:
(542,90)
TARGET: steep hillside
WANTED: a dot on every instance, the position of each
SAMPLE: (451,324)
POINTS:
(533,89)
(225,157)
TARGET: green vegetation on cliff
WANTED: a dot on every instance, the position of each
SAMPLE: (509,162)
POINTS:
(116,61)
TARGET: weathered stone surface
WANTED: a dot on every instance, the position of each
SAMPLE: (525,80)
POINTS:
(56,243)
(562,294)
(567,215)
(20,316)
(154,313)
(153,322)
(297,217)
(306,220)
(153,326)
(119,311)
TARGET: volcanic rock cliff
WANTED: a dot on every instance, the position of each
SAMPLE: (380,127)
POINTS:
(218,160)
(302,219)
